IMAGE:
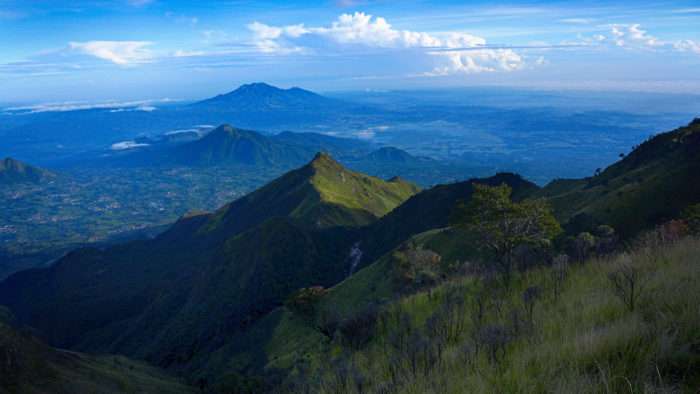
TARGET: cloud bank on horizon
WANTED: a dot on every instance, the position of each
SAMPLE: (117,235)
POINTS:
(148,46)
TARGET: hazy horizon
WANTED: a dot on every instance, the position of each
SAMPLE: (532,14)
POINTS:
(151,49)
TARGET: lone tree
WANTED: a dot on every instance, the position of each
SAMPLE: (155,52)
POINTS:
(502,225)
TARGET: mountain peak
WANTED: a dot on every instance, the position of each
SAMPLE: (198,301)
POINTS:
(260,96)
(257,90)
(15,171)
(9,162)
(225,129)
(257,86)
(324,160)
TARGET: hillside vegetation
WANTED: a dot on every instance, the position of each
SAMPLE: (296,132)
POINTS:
(566,327)
(650,185)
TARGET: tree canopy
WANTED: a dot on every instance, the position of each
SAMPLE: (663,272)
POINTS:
(501,225)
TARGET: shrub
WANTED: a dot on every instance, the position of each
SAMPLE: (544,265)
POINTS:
(627,283)
(416,268)
(582,246)
(304,300)
(357,330)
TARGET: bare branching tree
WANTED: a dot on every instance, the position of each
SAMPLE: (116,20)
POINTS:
(628,284)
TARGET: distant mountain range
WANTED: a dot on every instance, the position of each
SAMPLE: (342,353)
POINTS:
(255,106)
(14,171)
(228,145)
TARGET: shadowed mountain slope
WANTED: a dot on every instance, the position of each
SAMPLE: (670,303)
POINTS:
(29,366)
(431,209)
(652,184)
(14,171)
(173,299)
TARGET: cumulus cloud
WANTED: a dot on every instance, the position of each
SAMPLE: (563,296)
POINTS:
(123,53)
(481,60)
(271,39)
(459,51)
(687,46)
(633,36)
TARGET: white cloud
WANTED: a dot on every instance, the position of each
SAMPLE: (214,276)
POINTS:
(141,108)
(481,60)
(270,39)
(633,36)
(124,145)
(123,53)
(462,52)
(185,53)
(577,21)
(636,34)
(687,46)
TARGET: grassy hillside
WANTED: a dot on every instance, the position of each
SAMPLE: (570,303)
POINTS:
(28,366)
(321,194)
(650,185)
(560,328)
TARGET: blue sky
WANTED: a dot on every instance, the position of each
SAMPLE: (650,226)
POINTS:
(153,49)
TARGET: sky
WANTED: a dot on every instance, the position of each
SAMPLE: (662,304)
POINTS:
(91,50)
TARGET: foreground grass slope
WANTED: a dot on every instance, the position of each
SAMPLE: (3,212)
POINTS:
(559,328)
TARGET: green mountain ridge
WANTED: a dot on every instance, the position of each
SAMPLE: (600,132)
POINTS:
(188,292)
(14,171)
(228,145)
(652,184)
